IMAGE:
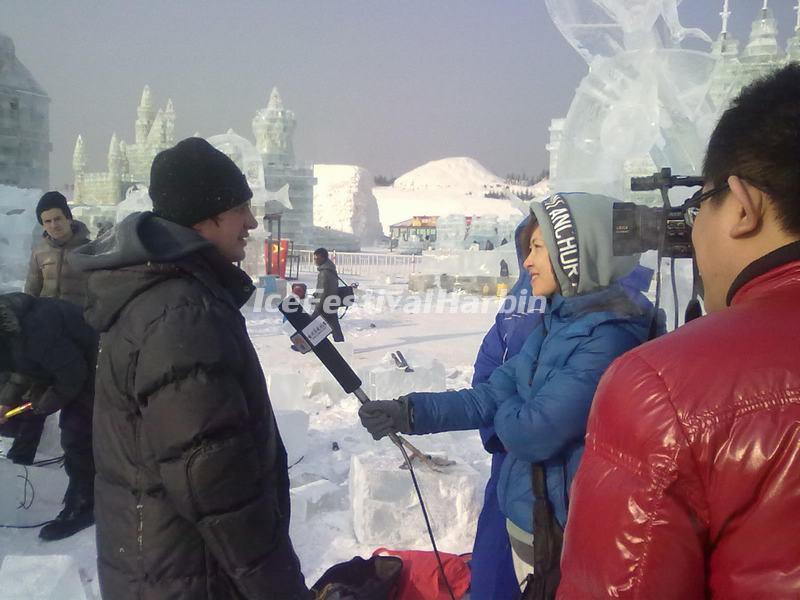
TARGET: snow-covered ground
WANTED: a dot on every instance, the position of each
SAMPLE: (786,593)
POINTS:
(325,489)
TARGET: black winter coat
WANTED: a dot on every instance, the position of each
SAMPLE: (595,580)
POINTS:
(48,342)
(192,487)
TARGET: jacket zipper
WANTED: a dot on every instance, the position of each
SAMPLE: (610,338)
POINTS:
(536,362)
(58,272)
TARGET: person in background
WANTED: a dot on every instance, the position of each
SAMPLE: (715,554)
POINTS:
(192,487)
(537,402)
(50,276)
(327,294)
(690,484)
(49,353)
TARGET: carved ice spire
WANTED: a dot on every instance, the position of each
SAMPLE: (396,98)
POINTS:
(79,156)
(725,14)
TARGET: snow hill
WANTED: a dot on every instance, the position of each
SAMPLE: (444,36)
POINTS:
(457,173)
(451,186)
(343,201)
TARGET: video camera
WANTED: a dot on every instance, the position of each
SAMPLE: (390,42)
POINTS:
(639,228)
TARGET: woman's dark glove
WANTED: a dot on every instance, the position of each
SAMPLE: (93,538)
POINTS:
(382,417)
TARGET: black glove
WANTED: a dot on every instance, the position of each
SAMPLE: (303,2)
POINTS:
(382,417)
(46,400)
(12,391)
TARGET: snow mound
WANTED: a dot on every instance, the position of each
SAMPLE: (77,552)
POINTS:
(343,201)
(460,172)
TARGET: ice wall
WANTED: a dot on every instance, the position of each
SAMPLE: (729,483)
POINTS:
(343,200)
(18,231)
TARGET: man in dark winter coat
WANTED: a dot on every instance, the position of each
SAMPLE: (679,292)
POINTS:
(49,353)
(327,294)
(192,487)
(50,276)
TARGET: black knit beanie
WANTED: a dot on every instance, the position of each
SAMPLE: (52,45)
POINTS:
(193,181)
(52,200)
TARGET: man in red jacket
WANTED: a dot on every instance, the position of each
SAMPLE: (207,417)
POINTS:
(690,483)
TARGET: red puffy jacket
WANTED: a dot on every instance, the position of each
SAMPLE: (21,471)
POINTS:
(690,483)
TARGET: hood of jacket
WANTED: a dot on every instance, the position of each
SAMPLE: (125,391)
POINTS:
(139,238)
(636,283)
(577,229)
(142,251)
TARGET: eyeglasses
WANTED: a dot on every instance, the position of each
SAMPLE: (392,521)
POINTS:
(692,206)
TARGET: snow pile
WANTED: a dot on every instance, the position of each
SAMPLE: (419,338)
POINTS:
(461,172)
(343,201)
(18,230)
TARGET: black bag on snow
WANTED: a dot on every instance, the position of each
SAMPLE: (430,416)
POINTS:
(360,579)
(547,542)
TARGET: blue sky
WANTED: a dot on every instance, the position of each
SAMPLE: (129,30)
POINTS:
(385,84)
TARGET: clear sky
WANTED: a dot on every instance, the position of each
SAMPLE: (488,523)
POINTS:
(385,84)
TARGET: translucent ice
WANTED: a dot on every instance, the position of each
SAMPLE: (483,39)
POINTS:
(293,425)
(386,510)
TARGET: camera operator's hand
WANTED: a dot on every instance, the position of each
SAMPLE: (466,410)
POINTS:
(382,417)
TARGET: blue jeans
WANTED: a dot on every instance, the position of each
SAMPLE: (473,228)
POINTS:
(493,576)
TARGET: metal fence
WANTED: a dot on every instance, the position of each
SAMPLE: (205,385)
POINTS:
(364,263)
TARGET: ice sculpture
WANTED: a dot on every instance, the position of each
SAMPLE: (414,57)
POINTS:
(643,98)
(246,156)
(605,28)
(646,103)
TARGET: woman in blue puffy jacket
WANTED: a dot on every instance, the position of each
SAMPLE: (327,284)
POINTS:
(538,401)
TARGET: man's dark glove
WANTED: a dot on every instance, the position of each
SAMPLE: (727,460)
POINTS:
(46,400)
(382,417)
(12,391)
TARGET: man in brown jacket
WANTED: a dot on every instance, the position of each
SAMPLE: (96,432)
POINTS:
(50,276)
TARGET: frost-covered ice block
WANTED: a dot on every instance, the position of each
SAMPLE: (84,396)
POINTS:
(53,577)
(316,498)
(18,231)
(386,509)
(293,425)
(322,382)
(286,390)
(389,381)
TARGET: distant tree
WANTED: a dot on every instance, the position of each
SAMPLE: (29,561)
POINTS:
(522,179)
(544,174)
(384,181)
(525,195)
